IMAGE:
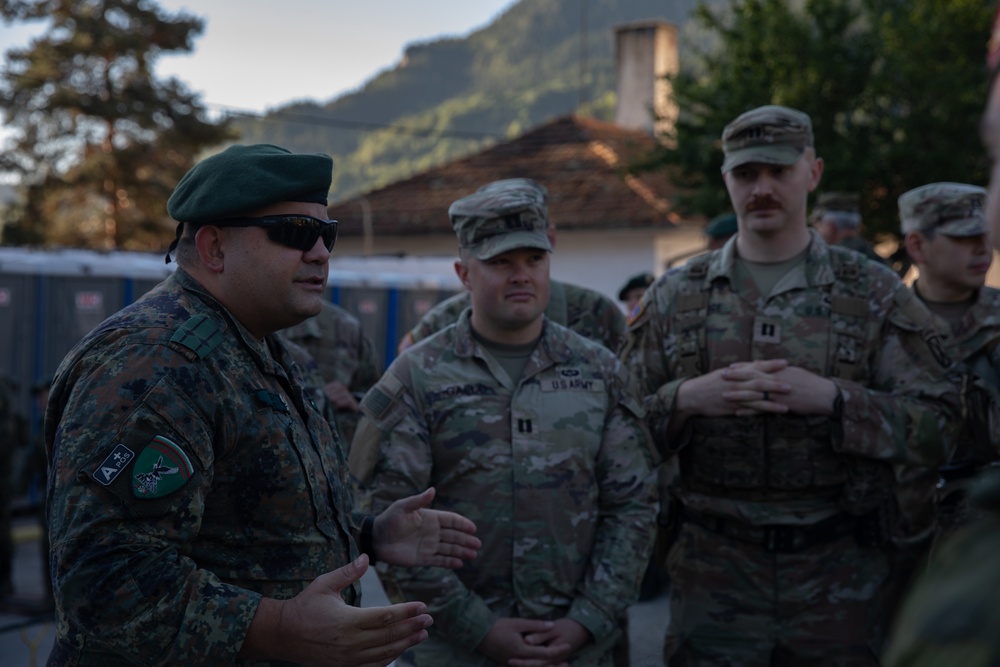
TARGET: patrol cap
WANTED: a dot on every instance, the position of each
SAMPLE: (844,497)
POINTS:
(844,209)
(952,209)
(721,226)
(500,217)
(770,135)
(247,177)
(527,186)
(639,281)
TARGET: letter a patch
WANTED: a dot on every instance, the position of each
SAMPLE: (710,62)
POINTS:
(161,468)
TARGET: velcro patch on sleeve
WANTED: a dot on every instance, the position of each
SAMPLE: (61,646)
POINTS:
(161,468)
(381,398)
(113,464)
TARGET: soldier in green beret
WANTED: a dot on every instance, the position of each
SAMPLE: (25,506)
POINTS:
(533,431)
(783,379)
(720,229)
(200,511)
(632,291)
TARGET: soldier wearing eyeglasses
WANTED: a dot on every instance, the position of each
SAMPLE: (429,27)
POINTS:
(200,509)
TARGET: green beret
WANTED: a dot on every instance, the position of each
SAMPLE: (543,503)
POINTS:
(640,281)
(242,178)
(721,226)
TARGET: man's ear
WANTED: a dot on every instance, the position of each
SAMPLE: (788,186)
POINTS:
(815,173)
(209,240)
(914,243)
(462,271)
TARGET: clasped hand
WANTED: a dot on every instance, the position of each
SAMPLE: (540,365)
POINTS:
(757,387)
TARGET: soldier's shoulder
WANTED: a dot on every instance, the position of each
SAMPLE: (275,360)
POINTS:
(428,351)
(581,349)
(339,314)
(950,616)
(585,295)
(990,297)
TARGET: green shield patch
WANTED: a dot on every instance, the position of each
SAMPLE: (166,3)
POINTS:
(161,468)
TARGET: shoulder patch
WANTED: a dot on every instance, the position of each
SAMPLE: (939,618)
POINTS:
(380,398)
(113,464)
(161,468)
(364,452)
(200,334)
(635,313)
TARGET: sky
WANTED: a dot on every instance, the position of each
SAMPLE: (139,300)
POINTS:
(255,55)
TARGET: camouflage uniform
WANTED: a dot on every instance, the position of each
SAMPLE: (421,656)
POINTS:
(767,565)
(189,477)
(343,353)
(858,244)
(957,210)
(555,471)
(951,616)
(846,209)
(589,313)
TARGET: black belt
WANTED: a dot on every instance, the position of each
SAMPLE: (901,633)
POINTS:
(960,470)
(778,538)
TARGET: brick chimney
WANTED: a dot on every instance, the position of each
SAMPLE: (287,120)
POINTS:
(645,51)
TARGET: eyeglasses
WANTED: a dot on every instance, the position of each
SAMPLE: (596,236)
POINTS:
(295,231)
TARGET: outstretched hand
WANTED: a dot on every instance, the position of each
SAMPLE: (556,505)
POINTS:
(317,627)
(410,534)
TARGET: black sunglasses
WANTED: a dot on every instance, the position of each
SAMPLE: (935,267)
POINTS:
(295,231)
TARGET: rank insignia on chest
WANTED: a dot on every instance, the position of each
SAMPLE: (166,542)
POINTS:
(766,330)
(161,468)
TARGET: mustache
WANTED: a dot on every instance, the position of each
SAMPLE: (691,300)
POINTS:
(761,202)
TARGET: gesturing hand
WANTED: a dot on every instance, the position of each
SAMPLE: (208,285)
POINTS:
(407,533)
(318,628)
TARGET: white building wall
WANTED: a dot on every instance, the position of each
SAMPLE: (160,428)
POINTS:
(600,260)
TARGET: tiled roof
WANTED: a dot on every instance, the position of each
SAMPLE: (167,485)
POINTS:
(580,160)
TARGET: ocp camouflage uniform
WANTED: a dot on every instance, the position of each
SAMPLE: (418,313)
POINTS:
(858,244)
(589,313)
(555,471)
(189,477)
(975,348)
(778,553)
(951,616)
(343,353)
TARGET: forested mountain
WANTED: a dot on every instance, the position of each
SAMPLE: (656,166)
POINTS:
(450,97)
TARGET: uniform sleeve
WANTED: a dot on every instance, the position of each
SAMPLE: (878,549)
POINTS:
(118,540)
(644,353)
(369,368)
(392,459)
(628,509)
(439,317)
(907,413)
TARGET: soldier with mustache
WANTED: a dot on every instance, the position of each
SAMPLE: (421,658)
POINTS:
(783,379)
